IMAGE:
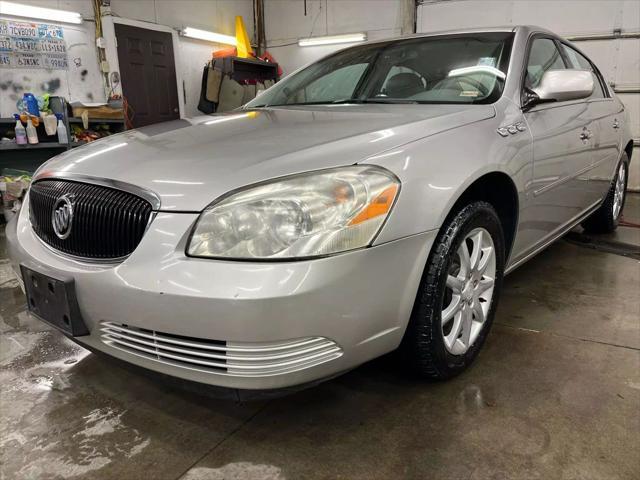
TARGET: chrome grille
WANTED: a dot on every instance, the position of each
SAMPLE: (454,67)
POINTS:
(215,356)
(107,223)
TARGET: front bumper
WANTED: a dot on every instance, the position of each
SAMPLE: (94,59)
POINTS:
(236,324)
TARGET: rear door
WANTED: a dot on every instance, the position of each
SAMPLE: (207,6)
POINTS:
(148,74)
(563,139)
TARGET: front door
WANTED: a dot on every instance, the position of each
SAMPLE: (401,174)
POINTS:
(148,74)
(563,139)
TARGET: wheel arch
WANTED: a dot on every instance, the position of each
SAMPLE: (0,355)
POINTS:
(628,149)
(497,188)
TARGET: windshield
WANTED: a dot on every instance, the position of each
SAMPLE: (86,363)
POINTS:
(463,68)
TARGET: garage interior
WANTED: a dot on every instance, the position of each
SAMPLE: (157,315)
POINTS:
(555,392)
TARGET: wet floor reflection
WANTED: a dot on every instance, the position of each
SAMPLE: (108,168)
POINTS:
(541,402)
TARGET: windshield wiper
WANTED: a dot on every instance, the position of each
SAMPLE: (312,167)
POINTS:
(343,101)
(322,102)
(389,101)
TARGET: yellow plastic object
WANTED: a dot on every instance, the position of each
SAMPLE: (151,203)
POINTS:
(34,120)
(242,39)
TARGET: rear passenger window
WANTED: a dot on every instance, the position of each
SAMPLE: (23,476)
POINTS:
(543,56)
(579,62)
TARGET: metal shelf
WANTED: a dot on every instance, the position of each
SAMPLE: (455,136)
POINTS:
(117,121)
(50,145)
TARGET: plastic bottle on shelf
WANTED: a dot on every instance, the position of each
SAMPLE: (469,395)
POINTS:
(63,137)
(32,135)
(21,133)
(31,104)
(50,123)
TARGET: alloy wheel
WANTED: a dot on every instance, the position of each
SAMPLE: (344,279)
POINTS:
(618,194)
(469,290)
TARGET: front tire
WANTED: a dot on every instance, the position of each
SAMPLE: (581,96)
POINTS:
(606,218)
(458,294)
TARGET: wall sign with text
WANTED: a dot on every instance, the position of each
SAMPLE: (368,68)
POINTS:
(32,45)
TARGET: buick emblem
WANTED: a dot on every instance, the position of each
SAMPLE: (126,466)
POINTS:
(62,217)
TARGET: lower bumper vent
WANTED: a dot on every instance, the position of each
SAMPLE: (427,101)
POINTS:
(215,356)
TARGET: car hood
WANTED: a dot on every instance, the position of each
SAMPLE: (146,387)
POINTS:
(189,163)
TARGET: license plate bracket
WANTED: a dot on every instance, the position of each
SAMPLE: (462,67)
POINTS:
(53,301)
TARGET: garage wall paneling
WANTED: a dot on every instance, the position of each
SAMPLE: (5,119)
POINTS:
(285,23)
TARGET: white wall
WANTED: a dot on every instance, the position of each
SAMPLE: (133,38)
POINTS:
(191,55)
(619,59)
(73,84)
(84,7)
(285,23)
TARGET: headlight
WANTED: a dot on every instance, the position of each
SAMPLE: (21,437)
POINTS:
(308,215)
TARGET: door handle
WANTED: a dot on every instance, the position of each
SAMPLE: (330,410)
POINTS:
(616,124)
(585,134)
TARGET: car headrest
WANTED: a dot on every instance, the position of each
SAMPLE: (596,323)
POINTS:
(403,85)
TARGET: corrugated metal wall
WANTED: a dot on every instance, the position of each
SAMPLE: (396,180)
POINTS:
(288,20)
(604,29)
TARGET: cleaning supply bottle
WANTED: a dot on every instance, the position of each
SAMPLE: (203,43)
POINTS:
(62,133)
(32,135)
(31,104)
(21,133)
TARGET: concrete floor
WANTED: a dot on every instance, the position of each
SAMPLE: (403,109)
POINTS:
(554,395)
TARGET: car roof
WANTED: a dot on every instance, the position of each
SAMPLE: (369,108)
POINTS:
(496,29)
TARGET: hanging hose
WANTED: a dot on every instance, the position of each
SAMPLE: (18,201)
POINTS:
(625,223)
(97,18)
(128,118)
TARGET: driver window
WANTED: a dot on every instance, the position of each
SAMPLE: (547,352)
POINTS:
(543,56)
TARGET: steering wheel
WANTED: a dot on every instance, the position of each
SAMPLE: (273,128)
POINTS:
(456,82)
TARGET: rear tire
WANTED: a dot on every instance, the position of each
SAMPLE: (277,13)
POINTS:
(437,345)
(605,219)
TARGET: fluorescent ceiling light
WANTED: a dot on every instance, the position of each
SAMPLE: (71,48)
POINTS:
(28,11)
(331,39)
(209,36)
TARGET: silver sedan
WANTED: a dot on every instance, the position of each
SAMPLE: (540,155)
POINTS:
(370,201)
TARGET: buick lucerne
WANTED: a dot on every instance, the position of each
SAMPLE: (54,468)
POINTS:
(372,201)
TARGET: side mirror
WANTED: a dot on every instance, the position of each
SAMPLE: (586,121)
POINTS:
(563,85)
